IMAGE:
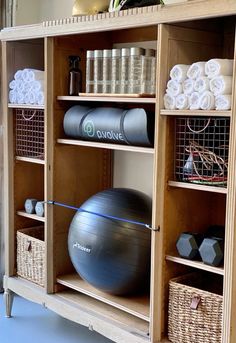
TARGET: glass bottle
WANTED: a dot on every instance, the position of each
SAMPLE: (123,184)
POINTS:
(75,76)
(135,70)
(98,71)
(107,67)
(148,74)
(90,72)
(124,75)
(116,70)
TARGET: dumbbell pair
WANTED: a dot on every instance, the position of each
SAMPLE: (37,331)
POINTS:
(34,206)
(209,248)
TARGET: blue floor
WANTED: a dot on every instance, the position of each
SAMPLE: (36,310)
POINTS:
(32,323)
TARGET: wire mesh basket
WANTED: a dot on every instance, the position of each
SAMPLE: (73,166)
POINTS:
(29,133)
(202,147)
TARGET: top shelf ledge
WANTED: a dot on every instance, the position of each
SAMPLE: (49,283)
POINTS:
(109,98)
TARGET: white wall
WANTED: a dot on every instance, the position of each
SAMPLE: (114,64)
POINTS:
(55,9)
(26,12)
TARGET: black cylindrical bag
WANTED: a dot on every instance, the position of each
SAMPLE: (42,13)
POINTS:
(108,124)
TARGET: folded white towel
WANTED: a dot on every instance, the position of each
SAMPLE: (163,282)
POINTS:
(207,101)
(169,102)
(40,98)
(182,102)
(12,96)
(18,75)
(196,70)
(221,85)
(174,88)
(217,66)
(202,84)
(179,72)
(188,86)
(223,102)
(194,101)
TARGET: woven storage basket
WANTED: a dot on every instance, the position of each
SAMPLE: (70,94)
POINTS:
(31,254)
(195,315)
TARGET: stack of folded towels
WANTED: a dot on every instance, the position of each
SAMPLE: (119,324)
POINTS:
(27,87)
(202,85)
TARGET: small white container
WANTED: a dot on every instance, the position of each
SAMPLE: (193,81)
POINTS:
(135,70)
(98,71)
(148,74)
(90,72)
(116,71)
(107,69)
(124,75)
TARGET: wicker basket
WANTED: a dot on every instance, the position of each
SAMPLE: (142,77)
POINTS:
(31,254)
(195,315)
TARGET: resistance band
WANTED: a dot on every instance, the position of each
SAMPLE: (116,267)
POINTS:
(52,202)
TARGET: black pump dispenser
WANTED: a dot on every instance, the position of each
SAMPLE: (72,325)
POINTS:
(75,76)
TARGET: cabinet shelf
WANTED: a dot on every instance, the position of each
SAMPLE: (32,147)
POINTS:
(31,216)
(193,186)
(138,306)
(196,113)
(30,160)
(109,98)
(195,264)
(31,107)
(107,146)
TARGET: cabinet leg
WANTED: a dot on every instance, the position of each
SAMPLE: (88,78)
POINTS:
(8,297)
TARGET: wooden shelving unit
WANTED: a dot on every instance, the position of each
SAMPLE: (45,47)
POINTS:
(138,306)
(197,187)
(196,113)
(106,146)
(195,264)
(30,160)
(119,99)
(73,170)
(31,216)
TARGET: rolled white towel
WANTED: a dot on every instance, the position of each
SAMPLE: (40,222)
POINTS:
(188,86)
(223,102)
(174,88)
(194,101)
(30,98)
(207,101)
(20,87)
(12,96)
(20,97)
(169,102)
(18,75)
(12,84)
(202,84)
(182,102)
(37,85)
(179,72)
(196,70)
(221,85)
(217,66)
(40,98)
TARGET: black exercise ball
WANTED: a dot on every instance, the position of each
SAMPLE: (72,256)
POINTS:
(112,255)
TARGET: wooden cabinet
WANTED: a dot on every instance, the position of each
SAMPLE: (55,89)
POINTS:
(73,170)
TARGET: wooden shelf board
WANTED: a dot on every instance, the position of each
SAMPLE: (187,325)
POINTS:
(195,264)
(127,321)
(107,146)
(29,159)
(198,187)
(108,98)
(31,107)
(31,216)
(196,113)
(138,306)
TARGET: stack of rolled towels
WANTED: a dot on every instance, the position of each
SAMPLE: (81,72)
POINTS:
(202,85)
(27,87)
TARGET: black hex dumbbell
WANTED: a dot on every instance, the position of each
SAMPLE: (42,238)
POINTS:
(30,205)
(188,244)
(39,208)
(212,251)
